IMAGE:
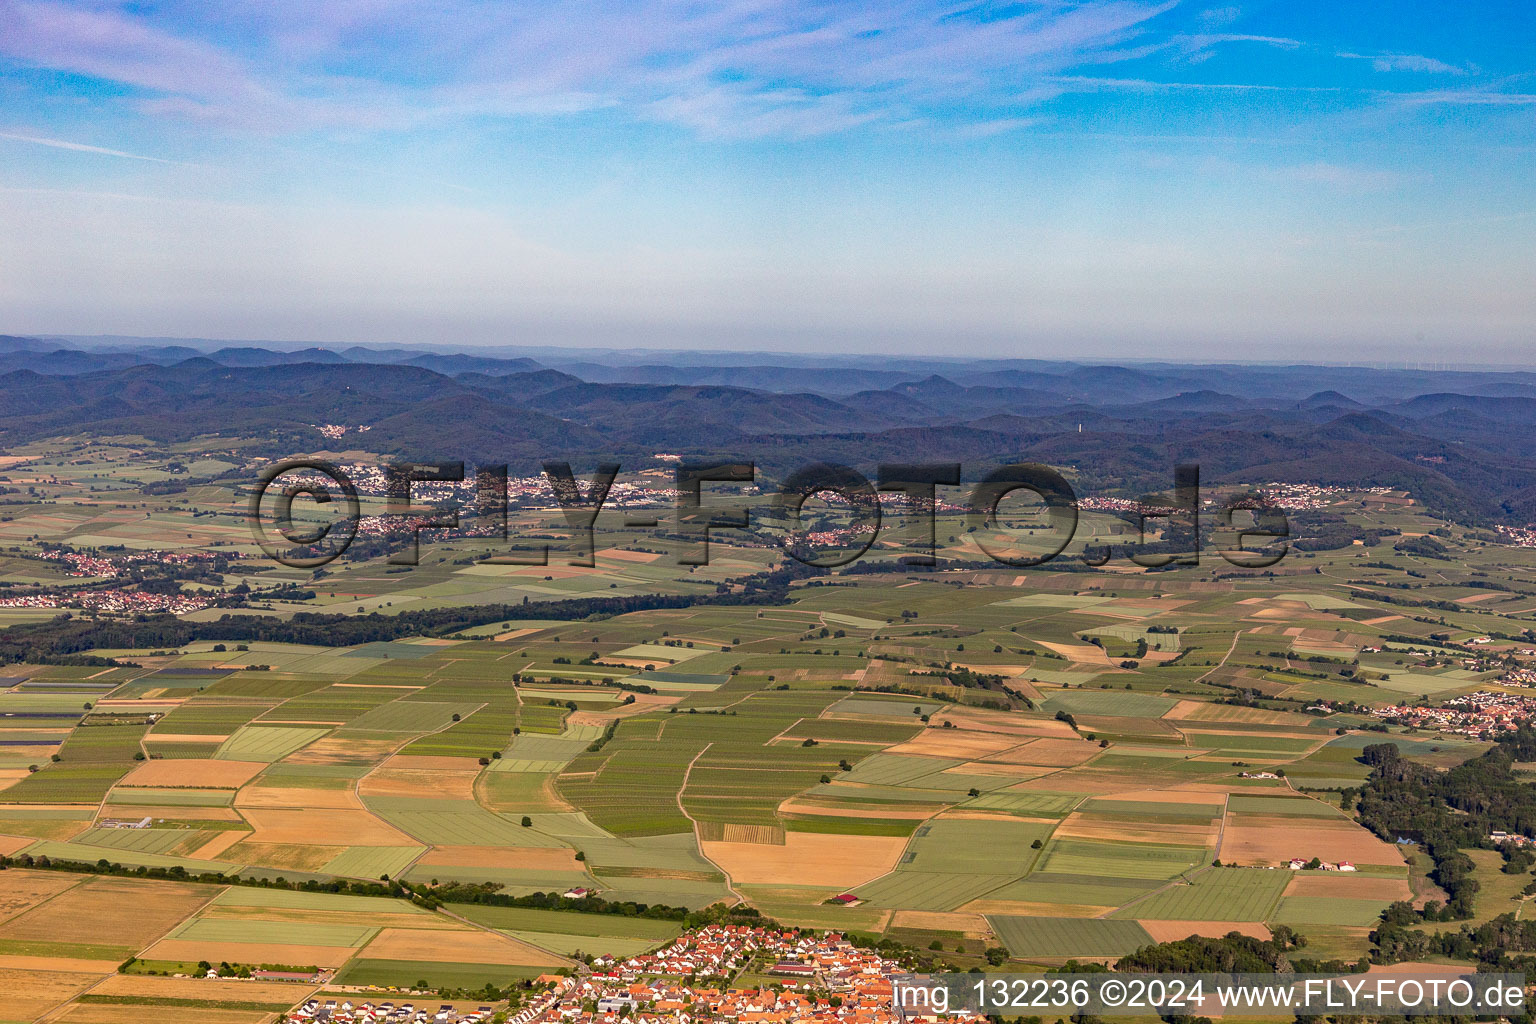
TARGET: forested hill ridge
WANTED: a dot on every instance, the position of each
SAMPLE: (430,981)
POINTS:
(1458,441)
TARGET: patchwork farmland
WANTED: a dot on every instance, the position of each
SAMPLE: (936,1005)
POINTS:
(1037,766)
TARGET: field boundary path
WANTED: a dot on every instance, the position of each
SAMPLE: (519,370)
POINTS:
(1230,651)
(730,883)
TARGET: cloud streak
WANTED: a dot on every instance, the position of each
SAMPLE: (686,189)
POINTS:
(79,147)
(727,67)
(1406,62)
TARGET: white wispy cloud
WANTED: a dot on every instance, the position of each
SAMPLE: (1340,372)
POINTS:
(1219,17)
(1206,40)
(1406,62)
(723,67)
(1091,83)
(80,147)
(1466,98)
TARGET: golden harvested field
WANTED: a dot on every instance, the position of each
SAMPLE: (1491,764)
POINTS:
(38,750)
(345,827)
(532,858)
(1272,839)
(10,776)
(192,950)
(193,773)
(1349,887)
(121,911)
(30,994)
(294,856)
(217,845)
(280,796)
(979,720)
(67,964)
(1048,753)
(1140,603)
(809,858)
(1084,654)
(21,889)
(432,784)
(460,946)
(14,844)
(1172,931)
(621,555)
(960,743)
(95,1013)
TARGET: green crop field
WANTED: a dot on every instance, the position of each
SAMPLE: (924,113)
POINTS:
(560,922)
(289,899)
(480,734)
(1215,894)
(1301,911)
(209,719)
(141,840)
(981,847)
(1109,702)
(411,716)
(103,742)
(1120,860)
(929,890)
(67,783)
(1028,937)
(1028,804)
(373,861)
(267,742)
(455,823)
(307,933)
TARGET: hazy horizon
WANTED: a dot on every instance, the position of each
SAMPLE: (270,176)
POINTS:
(594,350)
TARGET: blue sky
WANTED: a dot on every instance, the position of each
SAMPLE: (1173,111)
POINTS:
(1349,182)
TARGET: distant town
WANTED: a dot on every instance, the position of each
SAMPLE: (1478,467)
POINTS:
(823,979)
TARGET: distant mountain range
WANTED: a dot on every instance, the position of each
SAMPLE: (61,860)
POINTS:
(1462,441)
